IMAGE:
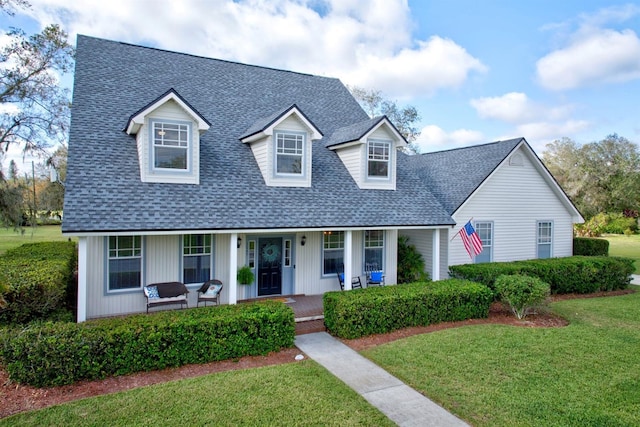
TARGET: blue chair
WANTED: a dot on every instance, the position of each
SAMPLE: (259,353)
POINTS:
(375,278)
(355,281)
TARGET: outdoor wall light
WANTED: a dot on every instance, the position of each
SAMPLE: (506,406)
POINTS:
(303,240)
(239,242)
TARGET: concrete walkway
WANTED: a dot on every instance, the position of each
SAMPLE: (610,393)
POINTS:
(635,279)
(398,401)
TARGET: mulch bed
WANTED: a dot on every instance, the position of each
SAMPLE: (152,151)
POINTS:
(17,398)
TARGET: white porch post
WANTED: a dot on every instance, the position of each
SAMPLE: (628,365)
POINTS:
(82,279)
(348,268)
(233,268)
(435,261)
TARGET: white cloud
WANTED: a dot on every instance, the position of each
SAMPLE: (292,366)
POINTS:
(591,53)
(434,138)
(594,57)
(516,107)
(435,64)
(366,43)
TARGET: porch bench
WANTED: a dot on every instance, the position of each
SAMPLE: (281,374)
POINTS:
(166,293)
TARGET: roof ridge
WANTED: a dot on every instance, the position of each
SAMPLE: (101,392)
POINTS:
(474,146)
(204,57)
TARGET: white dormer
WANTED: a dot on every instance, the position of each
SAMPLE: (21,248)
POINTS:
(167,134)
(368,150)
(282,146)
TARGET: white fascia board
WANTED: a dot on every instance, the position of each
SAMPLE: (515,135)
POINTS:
(137,121)
(313,131)
(254,230)
(399,139)
(346,144)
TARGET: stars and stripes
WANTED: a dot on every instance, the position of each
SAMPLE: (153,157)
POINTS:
(470,239)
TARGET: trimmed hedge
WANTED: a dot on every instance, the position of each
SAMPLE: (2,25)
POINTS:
(37,277)
(359,313)
(62,353)
(521,293)
(577,274)
(587,246)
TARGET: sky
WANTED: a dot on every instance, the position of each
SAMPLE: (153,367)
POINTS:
(477,71)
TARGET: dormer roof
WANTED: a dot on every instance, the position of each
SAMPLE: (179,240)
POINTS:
(136,120)
(359,131)
(264,126)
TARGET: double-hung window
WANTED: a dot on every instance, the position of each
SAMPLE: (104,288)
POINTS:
(374,249)
(125,263)
(485,232)
(332,252)
(289,153)
(378,159)
(545,239)
(170,145)
(196,258)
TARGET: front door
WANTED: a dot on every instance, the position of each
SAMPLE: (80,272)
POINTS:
(269,266)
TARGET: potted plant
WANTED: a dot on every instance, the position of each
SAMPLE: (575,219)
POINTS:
(245,275)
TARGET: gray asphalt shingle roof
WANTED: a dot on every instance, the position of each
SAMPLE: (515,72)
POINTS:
(453,175)
(103,189)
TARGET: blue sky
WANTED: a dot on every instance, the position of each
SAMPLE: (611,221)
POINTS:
(478,71)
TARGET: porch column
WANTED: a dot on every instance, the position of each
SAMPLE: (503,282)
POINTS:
(82,279)
(435,261)
(348,268)
(233,268)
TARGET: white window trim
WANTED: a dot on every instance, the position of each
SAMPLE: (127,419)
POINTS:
(365,247)
(484,245)
(108,258)
(183,255)
(538,223)
(189,149)
(303,156)
(389,160)
(324,275)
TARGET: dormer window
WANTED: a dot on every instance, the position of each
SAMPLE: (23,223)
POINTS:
(167,133)
(378,159)
(282,146)
(170,145)
(368,151)
(289,153)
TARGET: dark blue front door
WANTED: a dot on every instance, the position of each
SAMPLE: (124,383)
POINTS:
(270,266)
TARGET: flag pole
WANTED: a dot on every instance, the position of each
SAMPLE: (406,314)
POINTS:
(454,236)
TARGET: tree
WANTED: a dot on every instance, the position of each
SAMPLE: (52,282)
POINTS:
(601,176)
(35,109)
(13,170)
(403,118)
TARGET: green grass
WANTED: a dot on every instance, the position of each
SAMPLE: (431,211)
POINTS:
(585,374)
(294,394)
(625,246)
(44,233)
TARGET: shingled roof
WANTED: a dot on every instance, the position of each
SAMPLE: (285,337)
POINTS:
(104,192)
(454,175)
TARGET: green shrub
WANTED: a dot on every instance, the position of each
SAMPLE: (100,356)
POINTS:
(410,263)
(521,293)
(588,246)
(359,313)
(577,274)
(611,223)
(37,278)
(61,353)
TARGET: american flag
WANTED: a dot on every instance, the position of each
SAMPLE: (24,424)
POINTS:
(470,239)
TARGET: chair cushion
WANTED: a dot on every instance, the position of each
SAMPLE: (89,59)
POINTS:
(152,292)
(213,290)
(376,276)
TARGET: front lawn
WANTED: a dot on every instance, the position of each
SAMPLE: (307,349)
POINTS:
(9,238)
(585,374)
(294,394)
(625,246)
